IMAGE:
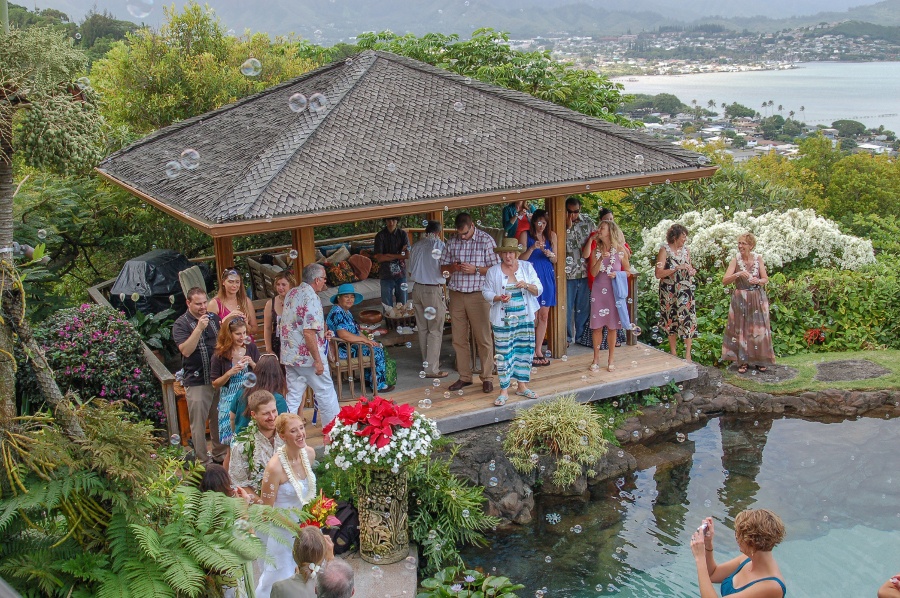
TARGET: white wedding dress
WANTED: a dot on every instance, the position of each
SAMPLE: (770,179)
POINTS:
(280,560)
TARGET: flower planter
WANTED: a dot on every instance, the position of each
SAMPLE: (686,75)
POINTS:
(383,521)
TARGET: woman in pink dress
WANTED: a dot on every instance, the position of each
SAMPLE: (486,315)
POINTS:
(607,261)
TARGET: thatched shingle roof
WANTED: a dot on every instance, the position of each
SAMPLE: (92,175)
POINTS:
(394,131)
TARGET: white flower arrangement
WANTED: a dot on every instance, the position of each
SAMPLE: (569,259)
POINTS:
(389,446)
(781,238)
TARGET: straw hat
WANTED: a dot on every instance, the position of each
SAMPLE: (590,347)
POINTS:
(508,244)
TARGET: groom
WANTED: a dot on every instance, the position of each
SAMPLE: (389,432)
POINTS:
(255,445)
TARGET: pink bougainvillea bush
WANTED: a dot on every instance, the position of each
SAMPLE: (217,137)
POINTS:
(96,352)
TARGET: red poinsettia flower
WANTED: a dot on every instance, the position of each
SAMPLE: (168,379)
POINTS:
(378,418)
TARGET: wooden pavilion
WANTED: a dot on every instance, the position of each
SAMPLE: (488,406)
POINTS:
(386,135)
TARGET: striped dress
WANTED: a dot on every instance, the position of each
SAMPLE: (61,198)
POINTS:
(514,341)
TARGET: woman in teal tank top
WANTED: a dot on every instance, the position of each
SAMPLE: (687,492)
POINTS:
(754,574)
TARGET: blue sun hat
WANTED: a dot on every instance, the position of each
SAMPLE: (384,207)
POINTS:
(346,289)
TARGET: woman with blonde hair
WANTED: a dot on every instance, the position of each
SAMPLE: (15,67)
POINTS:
(748,333)
(758,532)
(312,552)
(288,483)
(232,302)
(608,260)
(283,282)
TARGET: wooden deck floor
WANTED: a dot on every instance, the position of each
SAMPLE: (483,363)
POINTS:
(638,367)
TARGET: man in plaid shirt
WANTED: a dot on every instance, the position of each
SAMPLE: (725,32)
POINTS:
(466,259)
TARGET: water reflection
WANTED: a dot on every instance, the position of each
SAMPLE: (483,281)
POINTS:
(830,482)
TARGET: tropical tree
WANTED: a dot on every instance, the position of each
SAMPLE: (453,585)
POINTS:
(487,56)
(190,66)
(60,130)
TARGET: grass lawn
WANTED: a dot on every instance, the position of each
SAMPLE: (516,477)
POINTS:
(805,364)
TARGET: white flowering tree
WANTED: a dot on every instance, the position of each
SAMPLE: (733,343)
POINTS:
(782,238)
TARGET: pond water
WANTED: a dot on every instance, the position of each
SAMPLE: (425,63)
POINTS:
(831,482)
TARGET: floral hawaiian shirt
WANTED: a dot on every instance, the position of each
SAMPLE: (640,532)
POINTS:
(575,238)
(302,311)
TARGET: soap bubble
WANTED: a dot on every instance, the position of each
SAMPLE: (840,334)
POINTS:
(174,439)
(410,563)
(447,394)
(251,68)
(408,345)
(459,106)
(78,36)
(82,82)
(250,380)
(564,358)
(318,102)
(548,559)
(41,234)
(404,287)
(392,167)
(190,159)
(298,102)
(377,572)
(430,313)
(139,9)
(422,375)
(293,254)
(445,274)
(577,529)
(493,482)
(436,253)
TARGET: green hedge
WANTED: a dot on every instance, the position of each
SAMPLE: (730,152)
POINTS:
(858,310)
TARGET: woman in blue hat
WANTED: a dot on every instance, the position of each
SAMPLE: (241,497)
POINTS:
(341,322)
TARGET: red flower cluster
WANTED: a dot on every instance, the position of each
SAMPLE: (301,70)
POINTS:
(322,512)
(377,418)
(815,336)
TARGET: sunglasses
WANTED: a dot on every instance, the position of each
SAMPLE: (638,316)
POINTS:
(230,271)
(574,211)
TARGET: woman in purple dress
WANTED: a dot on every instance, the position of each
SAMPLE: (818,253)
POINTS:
(607,261)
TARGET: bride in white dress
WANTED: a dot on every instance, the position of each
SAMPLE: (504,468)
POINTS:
(288,482)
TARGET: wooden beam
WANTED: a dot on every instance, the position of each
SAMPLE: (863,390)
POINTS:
(224,249)
(303,240)
(556,327)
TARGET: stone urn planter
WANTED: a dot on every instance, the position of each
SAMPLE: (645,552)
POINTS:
(383,521)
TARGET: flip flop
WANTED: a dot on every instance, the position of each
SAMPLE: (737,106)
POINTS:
(527,393)
(500,401)
(761,368)
(540,362)
(743,369)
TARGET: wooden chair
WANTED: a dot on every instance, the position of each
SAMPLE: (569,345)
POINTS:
(352,369)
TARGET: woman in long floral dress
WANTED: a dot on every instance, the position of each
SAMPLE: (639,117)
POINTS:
(677,312)
(748,334)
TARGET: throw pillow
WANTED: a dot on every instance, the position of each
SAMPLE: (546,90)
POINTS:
(338,273)
(340,255)
(370,253)
(361,266)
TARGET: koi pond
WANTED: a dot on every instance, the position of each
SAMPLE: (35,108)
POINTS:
(830,481)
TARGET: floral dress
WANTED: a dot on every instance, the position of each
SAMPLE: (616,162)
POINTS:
(677,312)
(341,319)
(748,333)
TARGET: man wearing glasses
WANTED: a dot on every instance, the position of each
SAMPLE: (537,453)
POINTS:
(304,346)
(578,292)
(466,259)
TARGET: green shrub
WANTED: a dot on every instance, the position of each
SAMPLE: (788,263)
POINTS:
(95,352)
(570,431)
(856,308)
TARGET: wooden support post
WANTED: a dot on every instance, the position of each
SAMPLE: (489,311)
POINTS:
(439,216)
(556,327)
(303,241)
(224,249)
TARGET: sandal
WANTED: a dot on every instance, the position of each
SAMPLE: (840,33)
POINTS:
(539,361)
(761,368)
(527,393)
(500,401)
(610,368)
(743,369)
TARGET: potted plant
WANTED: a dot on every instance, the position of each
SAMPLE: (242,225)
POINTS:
(373,441)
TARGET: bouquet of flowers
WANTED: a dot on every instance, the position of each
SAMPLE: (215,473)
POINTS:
(378,433)
(321,512)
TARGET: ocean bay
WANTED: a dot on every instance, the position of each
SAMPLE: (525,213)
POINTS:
(863,91)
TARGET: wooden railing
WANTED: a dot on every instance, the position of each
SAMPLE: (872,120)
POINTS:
(100,296)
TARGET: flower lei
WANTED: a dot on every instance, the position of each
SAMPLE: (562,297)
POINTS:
(247,438)
(754,272)
(612,258)
(305,497)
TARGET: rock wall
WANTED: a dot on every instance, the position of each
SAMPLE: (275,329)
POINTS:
(481,459)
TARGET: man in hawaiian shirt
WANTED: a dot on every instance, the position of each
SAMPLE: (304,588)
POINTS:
(255,445)
(304,346)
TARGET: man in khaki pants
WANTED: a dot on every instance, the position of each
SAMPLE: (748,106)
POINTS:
(428,294)
(467,258)
(195,334)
